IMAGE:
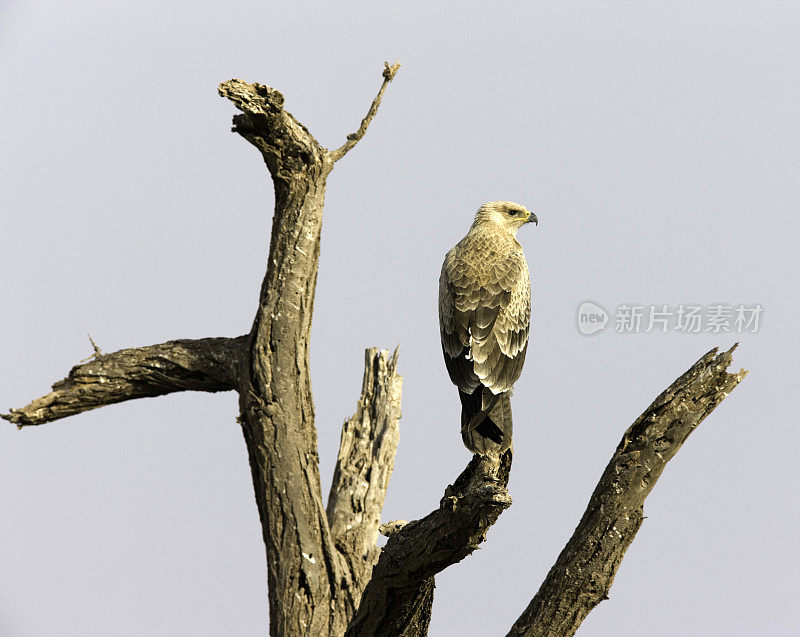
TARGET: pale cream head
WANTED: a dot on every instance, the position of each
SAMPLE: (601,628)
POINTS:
(506,214)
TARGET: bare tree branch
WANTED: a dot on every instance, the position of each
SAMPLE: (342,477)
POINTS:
(353,138)
(277,412)
(397,600)
(584,572)
(364,465)
(311,591)
(319,561)
(207,364)
(311,583)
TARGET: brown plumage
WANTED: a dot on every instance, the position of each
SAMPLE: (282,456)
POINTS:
(484,317)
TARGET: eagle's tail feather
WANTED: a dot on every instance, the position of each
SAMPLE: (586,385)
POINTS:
(486,424)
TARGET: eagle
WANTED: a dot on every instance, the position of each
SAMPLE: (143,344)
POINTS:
(484,320)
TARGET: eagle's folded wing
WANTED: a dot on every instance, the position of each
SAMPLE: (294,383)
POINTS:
(484,314)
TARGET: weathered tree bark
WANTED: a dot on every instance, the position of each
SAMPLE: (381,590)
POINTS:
(398,598)
(364,466)
(321,561)
(397,601)
(306,589)
(311,587)
(584,572)
(315,576)
(207,364)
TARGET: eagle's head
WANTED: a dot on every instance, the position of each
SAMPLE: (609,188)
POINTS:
(508,215)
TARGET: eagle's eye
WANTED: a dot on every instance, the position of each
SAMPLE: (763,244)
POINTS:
(513,212)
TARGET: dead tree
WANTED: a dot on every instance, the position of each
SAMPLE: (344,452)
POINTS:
(326,575)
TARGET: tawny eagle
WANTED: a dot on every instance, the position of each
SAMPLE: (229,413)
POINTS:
(484,319)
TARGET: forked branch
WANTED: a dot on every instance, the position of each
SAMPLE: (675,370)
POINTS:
(313,588)
(397,600)
(319,561)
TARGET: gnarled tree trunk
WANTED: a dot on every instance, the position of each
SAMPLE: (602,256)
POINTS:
(326,574)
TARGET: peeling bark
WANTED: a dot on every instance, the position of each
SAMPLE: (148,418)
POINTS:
(364,466)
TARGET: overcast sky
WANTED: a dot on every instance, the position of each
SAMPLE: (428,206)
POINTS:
(658,145)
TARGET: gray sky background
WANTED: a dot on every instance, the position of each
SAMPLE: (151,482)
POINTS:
(657,143)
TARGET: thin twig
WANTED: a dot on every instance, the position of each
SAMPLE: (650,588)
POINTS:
(97,353)
(353,138)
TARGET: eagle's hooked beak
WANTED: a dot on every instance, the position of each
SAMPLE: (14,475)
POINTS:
(532,217)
